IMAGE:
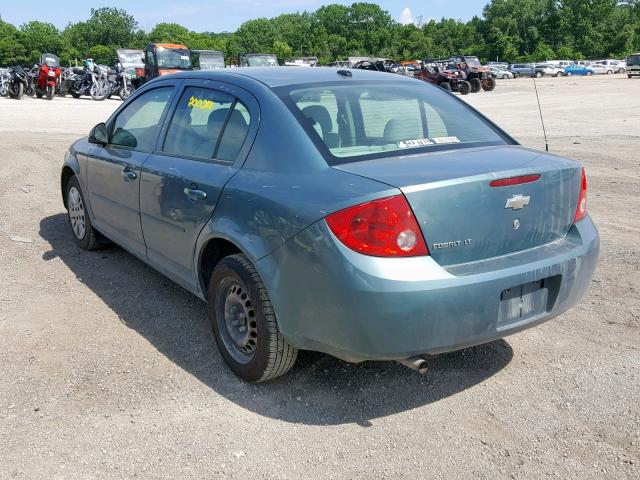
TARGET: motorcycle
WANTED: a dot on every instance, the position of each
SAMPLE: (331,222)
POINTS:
(90,80)
(120,83)
(17,82)
(5,78)
(48,76)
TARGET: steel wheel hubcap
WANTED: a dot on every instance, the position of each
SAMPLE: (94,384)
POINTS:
(76,213)
(238,327)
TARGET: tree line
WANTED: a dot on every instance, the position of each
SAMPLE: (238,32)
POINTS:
(507,30)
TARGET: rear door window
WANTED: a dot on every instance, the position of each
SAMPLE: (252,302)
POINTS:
(201,117)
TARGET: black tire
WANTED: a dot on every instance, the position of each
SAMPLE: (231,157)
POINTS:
(446,86)
(75,94)
(489,84)
(464,87)
(269,356)
(539,74)
(569,74)
(17,92)
(38,94)
(91,239)
(589,73)
(50,92)
(125,93)
(629,76)
(476,85)
(516,75)
(609,72)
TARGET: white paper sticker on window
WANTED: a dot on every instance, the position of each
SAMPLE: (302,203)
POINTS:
(441,140)
(418,142)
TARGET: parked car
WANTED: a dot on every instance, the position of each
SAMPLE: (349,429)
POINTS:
(522,69)
(578,70)
(600,69)
(502,65)
(498,72)
(548,69)
(561,63)
(633,65)
(307,207)
(611,66)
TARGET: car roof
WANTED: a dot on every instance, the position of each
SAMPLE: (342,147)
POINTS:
(282,76)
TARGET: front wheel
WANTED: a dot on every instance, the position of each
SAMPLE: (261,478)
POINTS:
(609,72)
(99,90)
(629,76)
(538,74)
(84,235)
(51,91)
(589,74)
(16,90)
(125,92)
(569,74)
(244,323)
(488,84)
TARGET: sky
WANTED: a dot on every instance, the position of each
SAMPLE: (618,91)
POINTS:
(221,15)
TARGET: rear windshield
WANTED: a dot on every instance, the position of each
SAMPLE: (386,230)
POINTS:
(374,119)
(633,60)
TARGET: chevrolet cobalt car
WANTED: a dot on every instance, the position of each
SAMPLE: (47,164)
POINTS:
(365,215)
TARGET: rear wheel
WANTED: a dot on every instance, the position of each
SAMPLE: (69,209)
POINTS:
(85,236)
(244,323)
(446,86)
(609,72)
(476,85)
(464,87)
(538,74)
(75,94)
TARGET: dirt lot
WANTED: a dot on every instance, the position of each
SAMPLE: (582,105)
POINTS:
(109,370)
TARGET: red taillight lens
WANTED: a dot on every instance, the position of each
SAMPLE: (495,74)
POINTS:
(381,228)
(581,209)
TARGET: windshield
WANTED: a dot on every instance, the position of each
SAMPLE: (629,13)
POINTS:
(262,61)
(472,61)
(177,58)
(633,60)
(131,58)
(211,62)
(373,119)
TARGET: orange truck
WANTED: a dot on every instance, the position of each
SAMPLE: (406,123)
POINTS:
(165,58)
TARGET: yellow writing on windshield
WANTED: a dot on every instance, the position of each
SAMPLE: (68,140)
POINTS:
(200,103)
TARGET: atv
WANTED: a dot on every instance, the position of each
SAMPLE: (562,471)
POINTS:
(436,73)
(478,76)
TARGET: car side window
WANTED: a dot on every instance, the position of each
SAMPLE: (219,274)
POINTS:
(197,124)
(235,133)
(137,126)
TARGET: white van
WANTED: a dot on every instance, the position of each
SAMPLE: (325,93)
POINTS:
(633,65)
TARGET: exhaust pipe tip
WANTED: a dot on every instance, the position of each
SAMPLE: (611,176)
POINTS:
(418,364)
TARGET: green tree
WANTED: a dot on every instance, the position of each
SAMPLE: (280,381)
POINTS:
(12,51)
(38,38)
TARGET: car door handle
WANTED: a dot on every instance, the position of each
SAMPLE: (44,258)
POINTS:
(129,174)
(195,194)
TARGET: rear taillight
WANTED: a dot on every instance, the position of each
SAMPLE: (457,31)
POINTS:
(581,209)
(380,228)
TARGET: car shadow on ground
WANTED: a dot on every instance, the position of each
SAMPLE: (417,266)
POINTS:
(320,390)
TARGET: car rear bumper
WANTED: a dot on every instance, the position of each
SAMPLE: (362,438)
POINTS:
(331,299)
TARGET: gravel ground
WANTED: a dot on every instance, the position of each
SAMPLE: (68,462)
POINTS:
(109,370)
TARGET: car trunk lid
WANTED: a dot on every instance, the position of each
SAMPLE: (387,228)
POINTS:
(463,218)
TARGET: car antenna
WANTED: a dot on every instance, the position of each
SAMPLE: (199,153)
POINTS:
(544,131)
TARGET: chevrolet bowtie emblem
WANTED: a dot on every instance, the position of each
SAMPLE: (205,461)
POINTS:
(517,202)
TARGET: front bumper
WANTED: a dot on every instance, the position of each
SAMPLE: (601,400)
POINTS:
(331,299)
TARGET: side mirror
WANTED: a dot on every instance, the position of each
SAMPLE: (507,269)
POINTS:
(99,134)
